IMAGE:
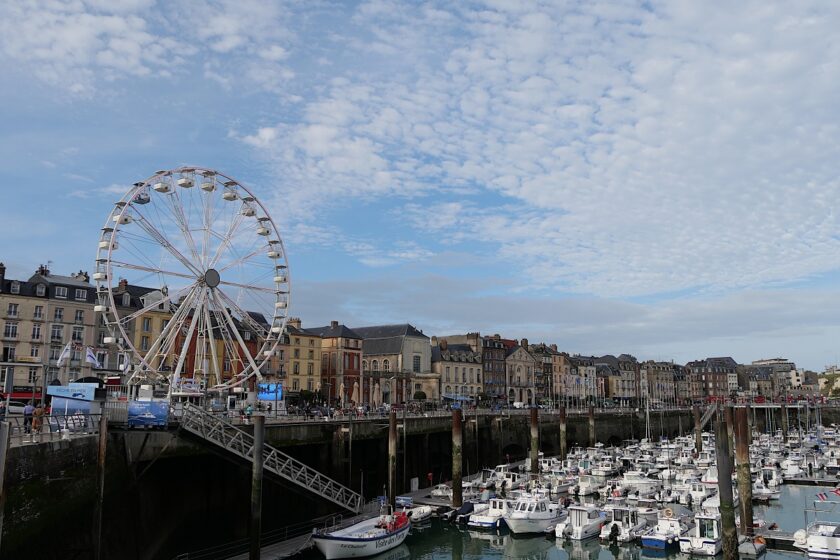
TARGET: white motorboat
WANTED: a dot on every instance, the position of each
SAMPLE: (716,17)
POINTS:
(366,538)
(670,526)
(821,540)
(704,537)
(761,491)
(582,522)
(419,513)
(442,491)
(532,515)
(587,485)
(636,480)
(492,516)
(700,492)
(623,524)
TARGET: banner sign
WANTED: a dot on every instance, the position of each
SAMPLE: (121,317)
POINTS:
(80,391)
(148,413)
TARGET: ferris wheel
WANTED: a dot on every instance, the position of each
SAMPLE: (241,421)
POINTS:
(192,279)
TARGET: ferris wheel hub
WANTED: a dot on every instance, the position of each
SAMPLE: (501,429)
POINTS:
(212,278)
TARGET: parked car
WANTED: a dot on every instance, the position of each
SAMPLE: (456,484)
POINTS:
(15,407)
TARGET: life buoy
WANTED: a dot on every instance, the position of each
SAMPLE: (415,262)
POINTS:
(668,513)
(760,540)
(390,526)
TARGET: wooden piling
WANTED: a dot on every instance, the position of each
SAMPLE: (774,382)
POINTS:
(742,465)
(727,510)
(535,441)
(562,433)
(698,430)
(392,458)
(592,440)
(100,478)
(457,444)
(255,530)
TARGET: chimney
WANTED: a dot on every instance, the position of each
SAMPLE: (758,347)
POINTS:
(295,322)
(2,275)
(443,344)
(553,347)
(43,270)
(334,324)
(434,341)
(524,343)
(123,286)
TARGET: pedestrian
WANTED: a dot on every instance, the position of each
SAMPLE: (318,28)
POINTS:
(38,418)
(249,410)
(2,411)
(28,411)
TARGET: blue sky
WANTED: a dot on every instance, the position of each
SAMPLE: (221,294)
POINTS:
(655,178)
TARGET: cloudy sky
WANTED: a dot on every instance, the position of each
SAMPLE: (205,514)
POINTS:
(656,178)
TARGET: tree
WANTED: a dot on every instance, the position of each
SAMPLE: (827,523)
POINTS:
(419,396)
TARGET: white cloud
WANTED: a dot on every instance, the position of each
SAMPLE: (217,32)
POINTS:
(640,150)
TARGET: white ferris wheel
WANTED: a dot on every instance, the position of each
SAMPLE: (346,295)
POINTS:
(207,263)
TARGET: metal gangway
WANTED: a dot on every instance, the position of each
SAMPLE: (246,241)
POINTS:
(707,415)
(220,432)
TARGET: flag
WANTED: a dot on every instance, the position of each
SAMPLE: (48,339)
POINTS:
(91,358)
(822,496)
(836,491)
(64,354)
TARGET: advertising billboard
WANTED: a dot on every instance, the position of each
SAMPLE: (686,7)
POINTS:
(148,413)
(270,391)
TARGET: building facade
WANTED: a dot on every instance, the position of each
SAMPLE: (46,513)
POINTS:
(460,370)
(302,359)
(521,367)
(399,359)
(341,362)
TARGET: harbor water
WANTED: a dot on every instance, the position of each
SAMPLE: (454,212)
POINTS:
(438,540)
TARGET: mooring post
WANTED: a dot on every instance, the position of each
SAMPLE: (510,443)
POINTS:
(784,412)
(256,485)
(698,430)
(535,442)
(724,472)
(457,443)
(562,433)
(5,434)
(392,458)
(592,439)
(730,428)
(742,458)
(100,486)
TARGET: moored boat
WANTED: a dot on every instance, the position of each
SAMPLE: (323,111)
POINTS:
(365,538)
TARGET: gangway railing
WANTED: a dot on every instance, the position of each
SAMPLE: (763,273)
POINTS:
(707,416)
(220,432)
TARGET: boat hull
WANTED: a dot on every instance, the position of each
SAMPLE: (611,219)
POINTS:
(660,542)
(333,547)
(700,547)
(525,526)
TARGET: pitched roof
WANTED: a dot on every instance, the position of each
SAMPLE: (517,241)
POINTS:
(330,331)
(387,331)
(60,280)
(455,353)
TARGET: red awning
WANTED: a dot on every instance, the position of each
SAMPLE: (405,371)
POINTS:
(21,396)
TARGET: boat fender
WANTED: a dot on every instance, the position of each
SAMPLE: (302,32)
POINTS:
(760,540)
(668,513)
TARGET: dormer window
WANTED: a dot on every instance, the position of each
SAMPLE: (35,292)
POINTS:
(15,287)
(40,290)
(126,299)
(61,292)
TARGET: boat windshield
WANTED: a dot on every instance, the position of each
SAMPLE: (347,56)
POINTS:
(707,527)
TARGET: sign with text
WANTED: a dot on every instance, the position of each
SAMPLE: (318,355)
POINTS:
(79,391)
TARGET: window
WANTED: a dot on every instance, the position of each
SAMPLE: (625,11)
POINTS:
(39,312)
(311,342)
(416,364)
(144,343)
(226,364)
(101,357)
(79,316)
(81,294)
(78,334)
(309,385)
(55,352)
(15,287)
(295,385)
(58,315)
(147,324)
(312,354)
(447,374)
(9,353)
(297,341)
(297,353)
(36,331)
(296,368)
(61,292)
(34,351)
(375,365)
(126,299)
(10,330)
(163,324)
(365,365)
(40,290)
(33,374)
(76,356)
(309,370)
(416,387)
(101,338)
(386,365)
(13,310)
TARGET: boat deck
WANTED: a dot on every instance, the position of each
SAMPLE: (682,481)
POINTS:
(777,540)
(283,549)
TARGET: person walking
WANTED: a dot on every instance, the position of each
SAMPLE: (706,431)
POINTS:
(38,419)
(28,411)
(2,411)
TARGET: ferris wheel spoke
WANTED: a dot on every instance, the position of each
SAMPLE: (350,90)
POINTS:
(215,361)
(181,219)
(248,287)
(245,316)
(242,260)
(162,239)
(137,314)
(166,340)
(185,348)
(153,270)
(245,352)
(226,240)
